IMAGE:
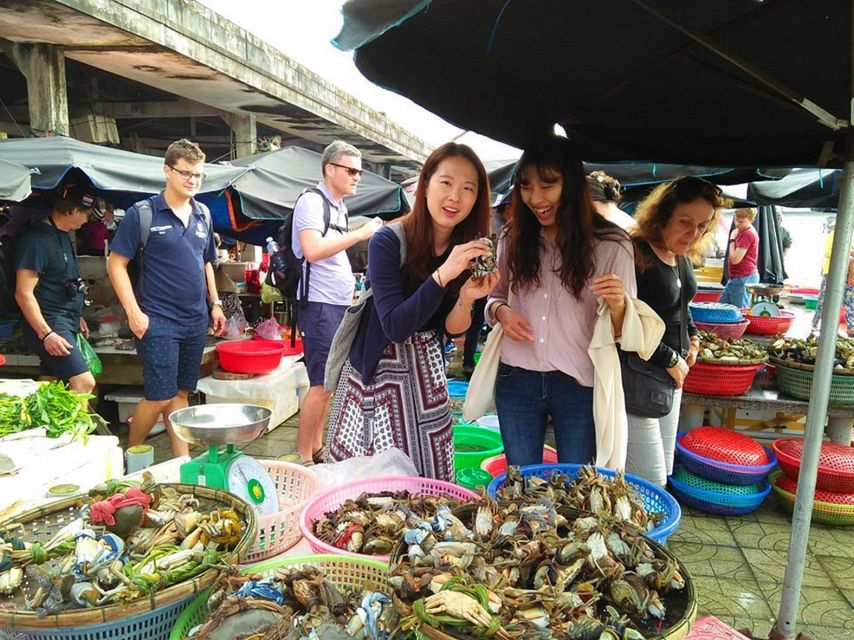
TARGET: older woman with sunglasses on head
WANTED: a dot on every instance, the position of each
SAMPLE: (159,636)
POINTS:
(674,223)
(392,391)
(557,258)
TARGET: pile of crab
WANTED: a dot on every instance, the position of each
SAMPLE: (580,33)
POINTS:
(516,569)
(373,522)
(293,603)
(125,542)
(589,491)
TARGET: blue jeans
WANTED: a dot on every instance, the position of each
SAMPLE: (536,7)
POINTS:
(735,293)
(525,398)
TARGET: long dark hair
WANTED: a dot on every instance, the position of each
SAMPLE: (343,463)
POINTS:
(578,226)
(418,225)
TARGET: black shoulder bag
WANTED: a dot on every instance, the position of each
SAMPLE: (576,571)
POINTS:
(648,389)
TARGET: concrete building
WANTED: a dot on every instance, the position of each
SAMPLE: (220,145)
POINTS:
(141,73)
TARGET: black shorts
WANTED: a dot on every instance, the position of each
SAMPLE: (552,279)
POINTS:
(61,367)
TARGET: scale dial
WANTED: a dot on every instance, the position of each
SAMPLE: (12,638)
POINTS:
(765,309)
(249,480)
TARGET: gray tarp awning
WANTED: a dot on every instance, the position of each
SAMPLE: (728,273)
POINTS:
(14,181)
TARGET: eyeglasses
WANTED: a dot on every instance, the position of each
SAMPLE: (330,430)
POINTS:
(351,171)
(186,176)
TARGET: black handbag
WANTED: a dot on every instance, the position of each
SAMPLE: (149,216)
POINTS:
(648,388)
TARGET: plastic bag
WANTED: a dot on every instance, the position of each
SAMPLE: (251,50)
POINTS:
(270,294)
(269,330)
(234,326)
(89,355)
(391,462)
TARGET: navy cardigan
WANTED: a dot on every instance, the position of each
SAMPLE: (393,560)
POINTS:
(393,315)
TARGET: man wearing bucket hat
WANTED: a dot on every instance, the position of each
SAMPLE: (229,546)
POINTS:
(49,290)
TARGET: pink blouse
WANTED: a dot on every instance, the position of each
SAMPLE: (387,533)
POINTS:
(562,325)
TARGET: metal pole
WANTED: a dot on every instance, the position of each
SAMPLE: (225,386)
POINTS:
(784,628)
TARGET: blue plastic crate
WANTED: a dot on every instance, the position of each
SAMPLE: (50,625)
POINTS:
(655,499)
(715,312)
(722,504)
(724,471)
(152,625)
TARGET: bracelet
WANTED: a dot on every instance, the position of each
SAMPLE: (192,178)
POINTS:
(467,307)
(673,361)
(500,304)
(48,334)
(439,278)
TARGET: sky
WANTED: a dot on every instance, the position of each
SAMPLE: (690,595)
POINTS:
(303,30)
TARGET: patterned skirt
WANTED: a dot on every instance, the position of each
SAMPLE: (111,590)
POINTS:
(406,407)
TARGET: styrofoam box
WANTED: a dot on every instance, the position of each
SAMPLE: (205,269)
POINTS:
(126,398)
(281,390)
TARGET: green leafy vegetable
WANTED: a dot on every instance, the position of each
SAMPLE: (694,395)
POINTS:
(54,407)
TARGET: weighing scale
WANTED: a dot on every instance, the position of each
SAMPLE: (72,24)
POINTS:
(763,298)
(229,469)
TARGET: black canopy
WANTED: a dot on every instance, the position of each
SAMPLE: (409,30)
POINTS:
(627,79)
(808,188)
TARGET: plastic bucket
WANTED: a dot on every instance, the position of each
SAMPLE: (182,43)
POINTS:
(473,445)
(489,421)
(473,479)
(498,464)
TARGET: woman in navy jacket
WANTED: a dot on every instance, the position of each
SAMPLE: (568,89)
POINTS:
(393,391)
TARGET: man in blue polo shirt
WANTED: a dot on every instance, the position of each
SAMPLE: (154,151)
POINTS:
(330,279)
(167,305)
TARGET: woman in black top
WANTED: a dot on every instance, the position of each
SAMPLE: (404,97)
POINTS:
(672,224)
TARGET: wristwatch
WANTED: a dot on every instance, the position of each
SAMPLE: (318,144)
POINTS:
(216,302)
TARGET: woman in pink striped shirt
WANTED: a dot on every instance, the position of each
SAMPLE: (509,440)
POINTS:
(556,258)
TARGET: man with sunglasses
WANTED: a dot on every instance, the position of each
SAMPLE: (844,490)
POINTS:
(170,236)
(327,278)
(49,290)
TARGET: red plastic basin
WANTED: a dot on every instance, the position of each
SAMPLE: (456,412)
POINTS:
(250,356)
(706,296)
(286,343)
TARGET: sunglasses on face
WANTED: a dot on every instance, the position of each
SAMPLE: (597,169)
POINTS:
(186,176)
(351,171)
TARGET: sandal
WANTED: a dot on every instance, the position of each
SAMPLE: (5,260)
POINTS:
(319,456)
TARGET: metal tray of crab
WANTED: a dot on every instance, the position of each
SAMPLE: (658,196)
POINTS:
(513,571)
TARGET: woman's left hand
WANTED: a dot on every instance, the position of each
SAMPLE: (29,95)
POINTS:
(693,352)
(611,288)
(476,288)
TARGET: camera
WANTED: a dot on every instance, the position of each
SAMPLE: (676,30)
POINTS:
(76,286)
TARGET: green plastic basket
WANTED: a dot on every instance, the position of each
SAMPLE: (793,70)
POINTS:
(345,572)
(473,445)
(798,384)
(698,482)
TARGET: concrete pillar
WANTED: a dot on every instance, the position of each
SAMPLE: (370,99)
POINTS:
(245,132)
(43,65)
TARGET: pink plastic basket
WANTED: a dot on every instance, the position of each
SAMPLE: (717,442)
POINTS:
(333,498)
(726,331)
(295,485)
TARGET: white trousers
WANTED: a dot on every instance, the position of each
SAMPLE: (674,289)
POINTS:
(651,444)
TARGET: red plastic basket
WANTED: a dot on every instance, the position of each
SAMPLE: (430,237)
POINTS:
(249,356)
(720,380)
(835,463)
(706,296)
(787,484)
(768,325)
(496,465)
(725,445)
(729,331)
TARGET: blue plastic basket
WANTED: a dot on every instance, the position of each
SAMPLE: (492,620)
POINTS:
(655,499)
(724,471)
(722,504)
(152,625)
(715,312)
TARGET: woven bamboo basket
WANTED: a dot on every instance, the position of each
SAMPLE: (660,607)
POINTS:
(682,608)
(40,525)
(796,381)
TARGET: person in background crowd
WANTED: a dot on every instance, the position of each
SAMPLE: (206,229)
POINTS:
(49,290)
(605,192)
(393,391)
(92,237)
(674,224)
(848,293)
(785,236)
(743,253)
(330,280)
(558,258)
(169,315)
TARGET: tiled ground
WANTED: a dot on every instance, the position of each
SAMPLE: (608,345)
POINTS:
(737,562)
